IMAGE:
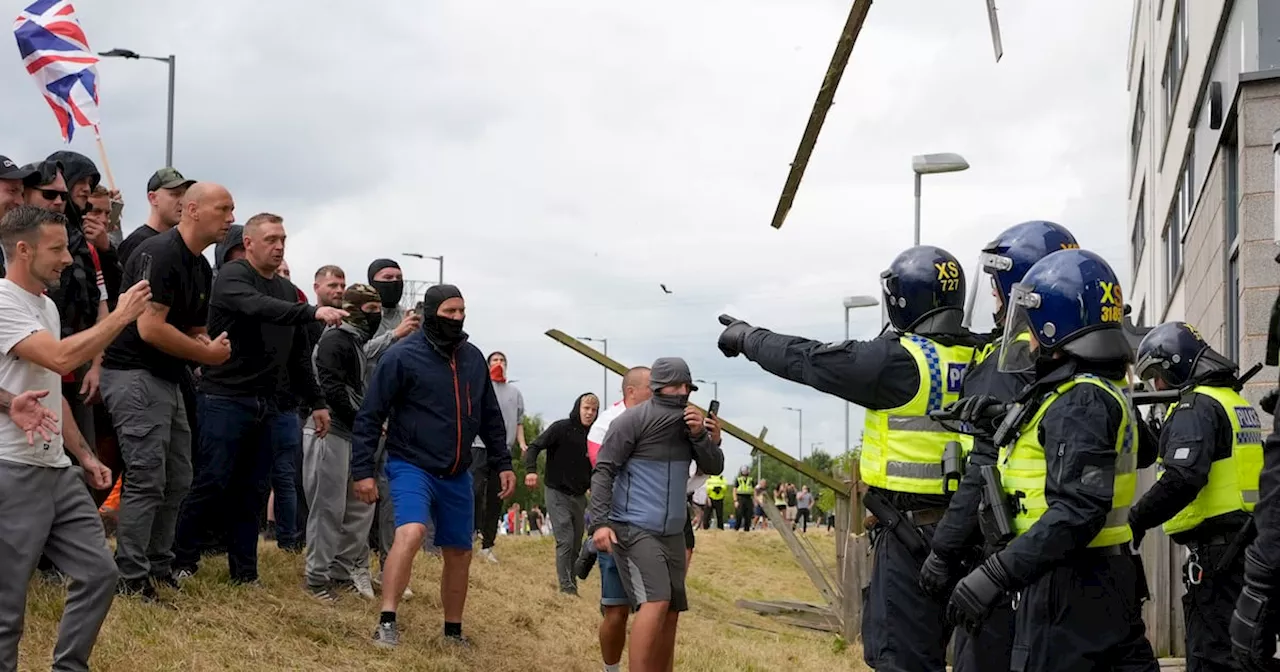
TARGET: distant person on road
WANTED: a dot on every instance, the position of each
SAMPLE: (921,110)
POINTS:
(434,393)
(484,479)
(804,504)
(647,452)
(742,490)
(568,477)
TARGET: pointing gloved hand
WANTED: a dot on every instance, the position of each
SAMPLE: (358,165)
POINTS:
(977,595)
(1268,402)
(937,577)
(1254,624)
(734,337)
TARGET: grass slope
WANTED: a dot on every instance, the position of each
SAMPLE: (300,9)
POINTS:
(515,617)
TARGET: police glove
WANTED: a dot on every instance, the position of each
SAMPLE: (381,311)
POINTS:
(1254,623)
(979,410)
(937,577)
(1268,402)
(977,595)
(734,337)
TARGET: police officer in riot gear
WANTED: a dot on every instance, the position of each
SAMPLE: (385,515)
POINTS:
(1210,456)
(1068,467)
(958,542)
(899,377)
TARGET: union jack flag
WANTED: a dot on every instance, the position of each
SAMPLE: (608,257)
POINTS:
(56,53)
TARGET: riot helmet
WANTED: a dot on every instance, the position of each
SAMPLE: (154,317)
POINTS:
(1175,353)
(922,282)
(1007,259)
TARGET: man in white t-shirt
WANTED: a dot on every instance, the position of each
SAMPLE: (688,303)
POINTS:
(44,505)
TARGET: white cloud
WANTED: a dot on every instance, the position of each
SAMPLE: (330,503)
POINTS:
(567,157)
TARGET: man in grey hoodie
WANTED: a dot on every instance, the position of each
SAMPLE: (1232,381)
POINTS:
(638,510)
(338,522)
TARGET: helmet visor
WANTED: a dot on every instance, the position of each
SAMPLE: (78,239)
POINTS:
(985,302)
(1017,328)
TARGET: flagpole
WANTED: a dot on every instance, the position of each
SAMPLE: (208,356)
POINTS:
(102,153)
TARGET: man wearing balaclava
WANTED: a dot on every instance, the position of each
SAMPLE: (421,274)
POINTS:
(434,393)
(338,522)
(386,277)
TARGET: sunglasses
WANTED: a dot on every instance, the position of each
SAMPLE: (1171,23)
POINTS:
(53,195)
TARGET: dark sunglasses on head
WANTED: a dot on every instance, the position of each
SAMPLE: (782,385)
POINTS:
(53,194)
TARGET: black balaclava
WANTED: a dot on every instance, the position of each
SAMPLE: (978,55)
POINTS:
(442,332)
(390,290)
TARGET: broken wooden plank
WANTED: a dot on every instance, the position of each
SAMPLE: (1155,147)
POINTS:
(801,554)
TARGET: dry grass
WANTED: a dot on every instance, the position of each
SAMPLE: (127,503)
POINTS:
(515,617)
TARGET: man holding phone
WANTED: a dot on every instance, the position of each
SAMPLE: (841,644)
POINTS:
(142,374)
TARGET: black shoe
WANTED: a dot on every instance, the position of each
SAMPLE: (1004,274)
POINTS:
(141,588)
(582,566)
(168,581)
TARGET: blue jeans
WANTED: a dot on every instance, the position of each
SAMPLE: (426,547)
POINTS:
(285,481)
(233,463)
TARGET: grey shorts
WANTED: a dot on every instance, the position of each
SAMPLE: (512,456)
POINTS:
(651,567)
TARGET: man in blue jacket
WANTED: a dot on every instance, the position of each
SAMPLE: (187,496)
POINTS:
(435,390)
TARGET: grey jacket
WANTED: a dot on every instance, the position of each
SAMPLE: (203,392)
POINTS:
(643,467)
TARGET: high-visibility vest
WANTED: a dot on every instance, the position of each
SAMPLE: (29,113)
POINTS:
(716,487)
(902,447)
(1233,480)
(1022,467)
(745,485)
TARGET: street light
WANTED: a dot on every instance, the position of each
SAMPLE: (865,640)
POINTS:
(800,440)
(172,61)
(930,164)
(715,387)
(851,302)
(604,403)
(419,255)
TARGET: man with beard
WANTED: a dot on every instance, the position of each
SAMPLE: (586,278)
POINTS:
(165,190)
(46,506)
(338,522)
(435,394)
(143,372)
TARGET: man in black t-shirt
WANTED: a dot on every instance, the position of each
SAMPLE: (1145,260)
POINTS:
(141,383)
(165,192)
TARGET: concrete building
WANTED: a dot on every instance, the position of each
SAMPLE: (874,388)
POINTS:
(1204,103)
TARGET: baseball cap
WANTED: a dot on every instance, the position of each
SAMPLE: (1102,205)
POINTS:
(670,371)
(168,178)
(10,170)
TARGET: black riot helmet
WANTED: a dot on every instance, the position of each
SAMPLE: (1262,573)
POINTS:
(922,282)
(1175,353)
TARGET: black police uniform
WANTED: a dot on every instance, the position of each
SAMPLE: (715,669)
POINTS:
(878,374)
(1197,434)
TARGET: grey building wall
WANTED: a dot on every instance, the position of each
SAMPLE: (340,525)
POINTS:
(1204,273)
(1258,117)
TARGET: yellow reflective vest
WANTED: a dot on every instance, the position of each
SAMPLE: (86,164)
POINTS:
(1022,467)
(746,486)
(902,447)
(1233,480)
(716,487)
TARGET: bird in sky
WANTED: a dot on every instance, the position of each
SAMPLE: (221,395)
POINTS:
(664,289)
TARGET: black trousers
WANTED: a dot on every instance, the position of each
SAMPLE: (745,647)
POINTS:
(989,649)
(488,506)
(1207,607)
(714,507)
(903,630)
(744,512)
(1081,616)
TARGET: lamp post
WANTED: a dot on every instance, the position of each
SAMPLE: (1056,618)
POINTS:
(715,387)
(604,403)
(800,438)
(172,61)
(851,302)
(419,255)
(930,164)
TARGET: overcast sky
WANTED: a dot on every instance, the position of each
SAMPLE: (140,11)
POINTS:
(567,156)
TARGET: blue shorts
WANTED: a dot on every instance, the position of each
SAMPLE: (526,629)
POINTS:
(612,593)
(419,497)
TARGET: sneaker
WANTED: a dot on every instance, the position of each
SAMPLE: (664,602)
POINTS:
(361,584)
(459,642)
(386,636)
(140,588)
(168,581)
(323,594)
(572,592)
(487,554)
(183,574)
(582,566)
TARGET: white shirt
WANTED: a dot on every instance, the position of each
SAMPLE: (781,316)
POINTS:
(600,428)
(21,315)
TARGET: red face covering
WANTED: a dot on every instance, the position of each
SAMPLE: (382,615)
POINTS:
(497,373)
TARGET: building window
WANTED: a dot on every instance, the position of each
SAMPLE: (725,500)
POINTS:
(1139,237)
(1172,240)
(1175,63)
(1231,334)
(1139,119)
(1187,190)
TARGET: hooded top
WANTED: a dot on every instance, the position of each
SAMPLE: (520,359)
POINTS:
(568,467)
(233,239)
(76,167)
(77,295)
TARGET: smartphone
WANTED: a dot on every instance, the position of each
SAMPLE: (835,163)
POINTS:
(144,273)
(713,409)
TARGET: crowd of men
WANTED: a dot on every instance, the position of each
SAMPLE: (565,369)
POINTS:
(208,394)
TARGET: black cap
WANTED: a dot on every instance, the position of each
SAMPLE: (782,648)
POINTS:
(670,371)
(10,170)
(167,178)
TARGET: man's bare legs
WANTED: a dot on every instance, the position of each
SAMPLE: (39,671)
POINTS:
(453,582)
(647,638)
(395,576)
(613,633)
(669,639)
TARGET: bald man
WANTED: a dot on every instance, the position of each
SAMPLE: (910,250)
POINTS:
(143,373)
